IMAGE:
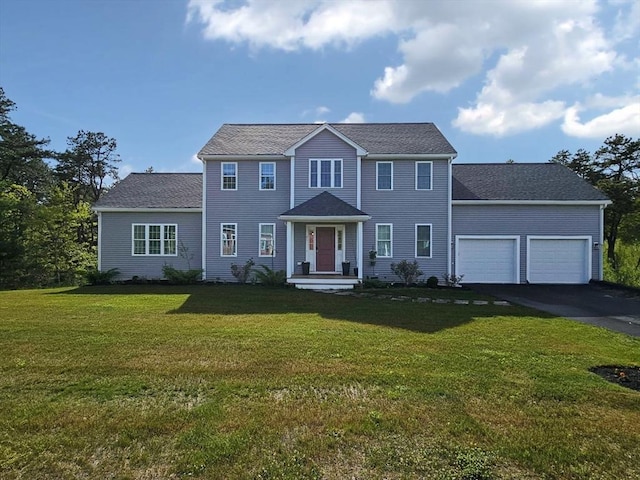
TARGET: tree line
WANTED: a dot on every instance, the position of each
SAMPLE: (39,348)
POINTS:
(48,232)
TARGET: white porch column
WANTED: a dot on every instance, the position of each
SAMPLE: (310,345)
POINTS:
(290,250)
(359,250)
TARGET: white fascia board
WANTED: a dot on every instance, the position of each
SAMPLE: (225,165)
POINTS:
(321,128)
(235,158)
(531,202)
(147,210)
(317,219)
(411,156)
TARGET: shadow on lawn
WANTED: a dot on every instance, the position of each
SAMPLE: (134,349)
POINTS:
(236,300)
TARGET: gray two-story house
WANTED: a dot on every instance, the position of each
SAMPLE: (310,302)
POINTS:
(332,204)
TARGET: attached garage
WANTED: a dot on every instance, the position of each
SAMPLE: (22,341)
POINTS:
(488,259)
(558,259)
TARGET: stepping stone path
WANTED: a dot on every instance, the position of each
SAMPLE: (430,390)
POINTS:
(404,298)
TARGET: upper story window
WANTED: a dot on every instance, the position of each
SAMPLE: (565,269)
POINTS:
(267,176)
(325,173)
(228,244)
(423,241)
(423,175)
(154,239)
(384,176)
(229,175)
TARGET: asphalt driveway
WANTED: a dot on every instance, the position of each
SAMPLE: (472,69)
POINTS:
(595,304)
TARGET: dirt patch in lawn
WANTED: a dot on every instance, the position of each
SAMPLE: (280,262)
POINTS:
(625,376)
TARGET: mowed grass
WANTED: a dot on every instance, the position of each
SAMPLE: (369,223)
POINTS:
(235,382)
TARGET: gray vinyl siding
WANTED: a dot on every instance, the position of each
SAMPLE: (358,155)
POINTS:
(404,207)
(325,145)
(524,220)
(248,206)
(116,243)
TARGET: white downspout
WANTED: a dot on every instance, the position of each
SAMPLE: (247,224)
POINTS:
(99,241)
(450,223)
(204,220)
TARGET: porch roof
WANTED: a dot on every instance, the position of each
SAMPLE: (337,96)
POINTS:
(325,207)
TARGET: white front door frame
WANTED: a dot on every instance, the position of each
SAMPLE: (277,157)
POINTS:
(340,245)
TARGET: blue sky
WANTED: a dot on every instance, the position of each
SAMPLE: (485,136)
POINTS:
(501,79)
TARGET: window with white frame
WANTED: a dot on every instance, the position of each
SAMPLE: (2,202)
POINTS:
(229,175)
(423,240)
(384,246)
(384,176)
(267,176)
(423,175)
(154,239)
(228,244)
(325,173)
(267,239)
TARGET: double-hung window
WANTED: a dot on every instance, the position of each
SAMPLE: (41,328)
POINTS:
(229,171)
(384,176)
(154,239)
(384,235)
(423,175)
(423,240)
(228,243)
(325,173)
(267,176)
(267,239)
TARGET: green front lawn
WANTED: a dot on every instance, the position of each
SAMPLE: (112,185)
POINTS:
(248,382)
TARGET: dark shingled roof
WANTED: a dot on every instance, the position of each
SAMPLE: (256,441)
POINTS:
(376,138)
(324,205)
(521,181)
(155,190)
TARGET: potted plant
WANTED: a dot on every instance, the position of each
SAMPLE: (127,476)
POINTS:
(346,266)
(306,267)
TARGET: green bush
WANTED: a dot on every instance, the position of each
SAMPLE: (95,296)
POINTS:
(181,277)
(241,272)
(432,282)
(101,277)
(269,277)
(628,261)
(409,272)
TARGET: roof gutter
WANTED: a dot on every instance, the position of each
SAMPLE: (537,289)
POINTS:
(531,202)
(411,156)
(223,158)
(146,210)
(325,218)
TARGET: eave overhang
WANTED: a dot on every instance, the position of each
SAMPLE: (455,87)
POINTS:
(146,210)
(325,218)
(531,202)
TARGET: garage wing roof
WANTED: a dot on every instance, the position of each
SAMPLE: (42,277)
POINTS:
(521,181)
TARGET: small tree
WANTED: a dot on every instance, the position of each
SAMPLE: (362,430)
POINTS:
(409,272)
(242,272)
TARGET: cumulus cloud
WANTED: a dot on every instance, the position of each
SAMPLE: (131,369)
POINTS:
(354,117)
(625,119)
(527,52)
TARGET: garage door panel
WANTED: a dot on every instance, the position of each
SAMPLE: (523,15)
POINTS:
(487,260)
(554,260)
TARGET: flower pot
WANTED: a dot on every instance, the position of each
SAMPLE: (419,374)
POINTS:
(346,266)
(306,267)
(355,271)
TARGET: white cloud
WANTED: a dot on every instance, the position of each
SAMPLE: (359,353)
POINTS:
(124,170)
(624,120)
(531,53)
(354,117)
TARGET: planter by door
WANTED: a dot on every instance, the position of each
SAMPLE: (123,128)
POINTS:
(346,266)
(306,267)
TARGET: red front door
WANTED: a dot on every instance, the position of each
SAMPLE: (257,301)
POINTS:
(325,249)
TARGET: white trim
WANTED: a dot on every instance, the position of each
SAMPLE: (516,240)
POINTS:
(147,240)
(359,244)
(273,240)
(411,156)
(324,219)
(587,252)
(292,182)
(260,177)
(290,250)
(99,241)
(333,172)
(449,213)
(233,158)
(430,176)
(147,210)
(415,240)
(339,256)
(601,246)
(531,202)
(377,177)
(390,240)
(222,164)
(204,221)
(358,182)
(490,237)
(235,230)
(325,126)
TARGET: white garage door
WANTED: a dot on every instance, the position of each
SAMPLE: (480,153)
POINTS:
(559,260)
(487,259)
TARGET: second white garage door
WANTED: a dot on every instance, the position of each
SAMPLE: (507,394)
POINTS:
(488,259)
(558,259)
